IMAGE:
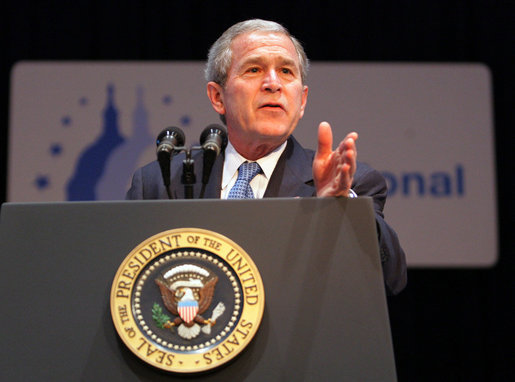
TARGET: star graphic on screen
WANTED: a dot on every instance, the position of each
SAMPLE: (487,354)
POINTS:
(167,99)
(56,149)
(83,101)
(185,120)
(42,182)
(66,121)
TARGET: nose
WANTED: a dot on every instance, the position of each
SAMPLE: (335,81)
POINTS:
(272,82)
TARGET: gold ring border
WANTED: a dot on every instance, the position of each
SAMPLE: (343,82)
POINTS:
(166,359)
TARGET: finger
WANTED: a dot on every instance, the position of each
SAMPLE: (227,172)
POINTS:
(353,135)
(348,143)
(346,178)
(350,161)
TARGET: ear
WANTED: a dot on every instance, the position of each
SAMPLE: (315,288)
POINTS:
(215,94)
(304,100)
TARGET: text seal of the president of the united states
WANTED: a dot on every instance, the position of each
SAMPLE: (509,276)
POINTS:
(187,300)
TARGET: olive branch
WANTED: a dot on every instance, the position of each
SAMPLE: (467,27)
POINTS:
(159,317)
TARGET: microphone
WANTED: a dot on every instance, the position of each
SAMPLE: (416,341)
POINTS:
(213,141)
(169,142)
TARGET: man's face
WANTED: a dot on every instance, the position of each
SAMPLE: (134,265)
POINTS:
(263,98)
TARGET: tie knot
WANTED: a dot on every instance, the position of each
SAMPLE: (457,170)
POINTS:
(242,189)
(248,170)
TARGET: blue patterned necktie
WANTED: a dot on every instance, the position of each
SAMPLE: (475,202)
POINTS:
(242,189)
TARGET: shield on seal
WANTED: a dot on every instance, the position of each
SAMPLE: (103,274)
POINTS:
(187,310)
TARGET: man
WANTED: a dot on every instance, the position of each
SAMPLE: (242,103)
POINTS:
(256,74)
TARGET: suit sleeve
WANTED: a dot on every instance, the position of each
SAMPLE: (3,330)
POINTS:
(147,183)
(135,192)
(369,182)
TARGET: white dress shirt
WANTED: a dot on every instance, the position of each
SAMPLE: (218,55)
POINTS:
(232,162)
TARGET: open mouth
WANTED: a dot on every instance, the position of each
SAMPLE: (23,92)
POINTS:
(272,105)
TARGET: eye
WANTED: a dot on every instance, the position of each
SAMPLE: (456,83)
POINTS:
(253,70)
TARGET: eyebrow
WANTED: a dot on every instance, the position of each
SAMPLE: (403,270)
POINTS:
(283,61)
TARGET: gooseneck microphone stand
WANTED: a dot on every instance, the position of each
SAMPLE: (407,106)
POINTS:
(163,159)
(188,178)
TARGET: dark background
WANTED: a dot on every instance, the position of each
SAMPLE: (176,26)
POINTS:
(449,324)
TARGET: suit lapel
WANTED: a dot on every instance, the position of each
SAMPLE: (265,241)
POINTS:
(292,175)
(214,186)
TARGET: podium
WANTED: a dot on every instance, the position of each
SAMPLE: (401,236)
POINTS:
(325,314)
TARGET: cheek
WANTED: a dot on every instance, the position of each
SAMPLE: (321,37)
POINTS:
(237,100)
(242,107)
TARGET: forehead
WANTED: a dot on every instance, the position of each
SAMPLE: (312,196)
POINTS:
(256,44)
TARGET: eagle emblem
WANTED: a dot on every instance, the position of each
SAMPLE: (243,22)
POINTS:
(187,291)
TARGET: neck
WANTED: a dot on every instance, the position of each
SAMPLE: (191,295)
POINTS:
(253,152)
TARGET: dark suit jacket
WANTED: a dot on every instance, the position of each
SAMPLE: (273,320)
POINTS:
(292,177)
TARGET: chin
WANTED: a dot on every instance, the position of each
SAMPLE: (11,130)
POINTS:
(273,130)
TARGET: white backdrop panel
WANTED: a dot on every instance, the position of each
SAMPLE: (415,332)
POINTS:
(78,130)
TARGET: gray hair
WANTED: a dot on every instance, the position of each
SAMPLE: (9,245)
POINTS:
(220,53)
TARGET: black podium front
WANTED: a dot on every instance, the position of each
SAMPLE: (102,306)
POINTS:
(325,314)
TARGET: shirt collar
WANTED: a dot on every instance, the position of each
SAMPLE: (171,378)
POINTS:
(233,160)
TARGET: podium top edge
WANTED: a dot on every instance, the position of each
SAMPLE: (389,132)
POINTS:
(166,201)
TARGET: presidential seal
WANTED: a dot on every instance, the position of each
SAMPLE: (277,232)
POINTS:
(187,300)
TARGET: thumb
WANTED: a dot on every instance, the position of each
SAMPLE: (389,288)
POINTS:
(325,139)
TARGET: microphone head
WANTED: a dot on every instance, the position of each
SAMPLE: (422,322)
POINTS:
(214,137)
(169,139)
